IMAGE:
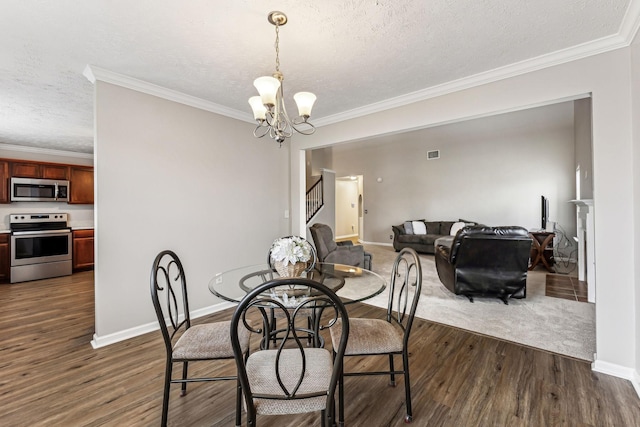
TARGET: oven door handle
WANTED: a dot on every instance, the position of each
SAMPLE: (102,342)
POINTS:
(31,233)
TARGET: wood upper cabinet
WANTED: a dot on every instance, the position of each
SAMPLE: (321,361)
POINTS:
(39,170)
(81,183)
(4,182)
(80,178)
(25,170)
(82,250)
(55,172)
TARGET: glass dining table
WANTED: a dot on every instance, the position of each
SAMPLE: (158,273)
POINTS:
(351,284)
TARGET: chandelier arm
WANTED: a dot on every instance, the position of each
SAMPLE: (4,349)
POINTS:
(309,131)
(265,130)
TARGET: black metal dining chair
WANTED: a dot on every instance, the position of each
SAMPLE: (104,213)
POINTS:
(292,378)
(377,337)
(184,342)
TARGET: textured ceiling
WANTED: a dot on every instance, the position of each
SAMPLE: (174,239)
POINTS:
(351,53)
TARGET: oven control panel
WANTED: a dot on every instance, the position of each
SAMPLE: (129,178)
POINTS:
(36,218)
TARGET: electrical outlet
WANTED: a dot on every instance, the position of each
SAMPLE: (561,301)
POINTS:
(391,236)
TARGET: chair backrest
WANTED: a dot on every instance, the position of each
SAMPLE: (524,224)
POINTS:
(323,239)
(404,290)
(504,247)
(169,296)
(292,298)
(310,264)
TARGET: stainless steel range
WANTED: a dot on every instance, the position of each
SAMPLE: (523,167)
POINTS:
(40,246)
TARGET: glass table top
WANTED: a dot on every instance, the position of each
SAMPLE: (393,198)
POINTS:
(351,284)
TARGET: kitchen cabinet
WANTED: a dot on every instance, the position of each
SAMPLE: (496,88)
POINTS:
(39,170)
(55,172)
(80,178)
(25,170)
(82,250)
(81,183)
(5,258)
(4,181)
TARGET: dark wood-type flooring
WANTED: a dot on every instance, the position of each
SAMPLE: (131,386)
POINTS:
(51,376)
(566,287)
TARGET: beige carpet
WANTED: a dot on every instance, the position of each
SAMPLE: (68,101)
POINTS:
(557,325)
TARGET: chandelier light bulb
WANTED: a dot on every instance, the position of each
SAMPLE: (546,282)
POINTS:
(259,110)
(304,101)
(267,88)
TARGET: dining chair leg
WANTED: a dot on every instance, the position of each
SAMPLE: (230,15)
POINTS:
(185,368)
(238,403)
(407,387)
(341,399)
(165,398)
(392,381)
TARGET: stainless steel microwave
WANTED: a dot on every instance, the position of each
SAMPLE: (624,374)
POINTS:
(39,190)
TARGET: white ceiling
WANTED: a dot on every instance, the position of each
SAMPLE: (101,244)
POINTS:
(354,54)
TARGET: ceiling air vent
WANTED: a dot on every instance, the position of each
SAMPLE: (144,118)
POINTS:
(432,155)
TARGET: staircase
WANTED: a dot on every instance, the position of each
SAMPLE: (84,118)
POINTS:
(314,199)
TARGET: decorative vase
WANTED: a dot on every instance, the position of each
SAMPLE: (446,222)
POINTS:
(290,270)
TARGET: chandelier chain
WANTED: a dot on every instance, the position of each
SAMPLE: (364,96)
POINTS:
(277,47)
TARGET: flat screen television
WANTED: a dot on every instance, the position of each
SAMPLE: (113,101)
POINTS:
(544,215)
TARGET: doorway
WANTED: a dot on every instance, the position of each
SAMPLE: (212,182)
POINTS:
(349,208)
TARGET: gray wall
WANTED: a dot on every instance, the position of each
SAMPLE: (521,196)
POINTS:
(492,170)
(582,114)
(175,177)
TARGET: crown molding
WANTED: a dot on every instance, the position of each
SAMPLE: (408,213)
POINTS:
(630,22)
(93,73)
(628,30)
(45,151)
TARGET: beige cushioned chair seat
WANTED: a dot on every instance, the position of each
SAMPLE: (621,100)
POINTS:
(208,341)
(369,336)
(262,377)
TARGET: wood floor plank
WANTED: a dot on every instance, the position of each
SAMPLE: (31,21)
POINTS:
(51,376)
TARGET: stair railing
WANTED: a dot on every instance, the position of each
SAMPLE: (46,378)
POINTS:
(314,199)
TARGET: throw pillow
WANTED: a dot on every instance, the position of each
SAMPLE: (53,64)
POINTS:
(457,226)
(419,227)
(408,227)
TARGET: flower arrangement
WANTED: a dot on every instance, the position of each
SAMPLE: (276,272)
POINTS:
(290,250)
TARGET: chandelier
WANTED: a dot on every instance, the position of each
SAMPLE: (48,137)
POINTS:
(268,108)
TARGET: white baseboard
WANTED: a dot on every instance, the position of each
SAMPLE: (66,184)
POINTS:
(565,259)
(618,371)
(376,243)
(103,341)
(346,236)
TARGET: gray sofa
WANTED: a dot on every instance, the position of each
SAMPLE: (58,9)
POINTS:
(423,243)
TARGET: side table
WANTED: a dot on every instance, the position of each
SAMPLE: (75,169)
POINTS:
(542,249)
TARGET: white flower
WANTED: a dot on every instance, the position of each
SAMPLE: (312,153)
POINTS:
(290,250)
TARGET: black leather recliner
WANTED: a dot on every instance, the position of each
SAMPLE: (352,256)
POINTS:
(486,261)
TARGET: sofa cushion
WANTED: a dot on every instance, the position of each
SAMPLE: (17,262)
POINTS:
(408,227)
(422,239)
(445,227)
(419,227)
(433,227)
(455,227)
